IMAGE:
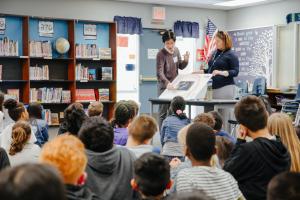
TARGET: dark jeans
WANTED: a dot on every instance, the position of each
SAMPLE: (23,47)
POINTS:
(162,109)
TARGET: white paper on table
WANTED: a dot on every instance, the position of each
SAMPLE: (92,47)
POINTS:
(193,86)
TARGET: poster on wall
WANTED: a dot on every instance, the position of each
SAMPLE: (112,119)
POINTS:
(122,41)
(46,28)
(152,53)
(2,26)
(90,31)
(254,48)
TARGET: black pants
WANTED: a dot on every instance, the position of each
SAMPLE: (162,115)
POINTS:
(162,109)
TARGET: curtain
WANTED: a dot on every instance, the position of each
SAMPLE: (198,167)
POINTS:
(129,25)
(186,29)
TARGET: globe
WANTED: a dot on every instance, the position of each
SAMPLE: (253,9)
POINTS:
(62,45)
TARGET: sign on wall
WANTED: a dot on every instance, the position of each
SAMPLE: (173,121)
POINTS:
(46,28)
(254,48)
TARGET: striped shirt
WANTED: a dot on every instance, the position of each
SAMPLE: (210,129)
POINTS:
(215,182)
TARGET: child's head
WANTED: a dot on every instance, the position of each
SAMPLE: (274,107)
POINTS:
(224,148)
(74,117)
(142,129)
(16,110)
(97,134)
(95,109)
(31,182)
(178,106)
(251,114)
(205,118)
(151,175)
(200,142)
(135,105)
(284,186)
(123,114)
(21,133)
(35,110)
(281,124)
(218,120)
(66,153)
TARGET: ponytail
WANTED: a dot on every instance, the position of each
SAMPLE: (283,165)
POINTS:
(21,132)
(178,106)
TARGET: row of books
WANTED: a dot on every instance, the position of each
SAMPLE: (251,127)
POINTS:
(12,94)
(39,72)
(92,51)
(50,95)
(8,47)
(52,118)
(84,73)
(89,95)
(40,48)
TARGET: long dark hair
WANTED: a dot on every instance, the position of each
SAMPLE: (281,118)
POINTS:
(123,112)
(177,107)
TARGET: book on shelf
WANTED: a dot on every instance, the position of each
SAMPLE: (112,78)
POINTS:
(8,47)
(48,95)
(92,74)
(85,95)
(66,96)
(103,94)
(54,119)
(82,72)
(86,51)
(1,68)
(39,72)
(105,53)
(106,73)
(13,94)
(47,116)
(40,48)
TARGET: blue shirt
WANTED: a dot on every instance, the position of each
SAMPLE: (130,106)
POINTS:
(226,135)
(170,128)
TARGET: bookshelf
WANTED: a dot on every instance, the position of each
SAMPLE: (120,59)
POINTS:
(35,64)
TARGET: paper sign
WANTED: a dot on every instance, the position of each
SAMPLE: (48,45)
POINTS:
(90,31)
(2,25)
(46,28)
(131,56)
(122,41)
(152,53)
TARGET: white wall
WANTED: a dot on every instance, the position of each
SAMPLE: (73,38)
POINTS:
(262,15)
(106,10)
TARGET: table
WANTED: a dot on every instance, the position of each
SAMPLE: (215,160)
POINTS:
(211,105)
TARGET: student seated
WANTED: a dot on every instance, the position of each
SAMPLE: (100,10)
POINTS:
(109,168)
(95,109)
(193,195)
(1,112)
(135,105)
(205,118)
(170,128)
(284,186)
(281,124)
(151,176)
(16,112)
(4,160)
(255,163)
(21,150)
(74,116)
(224,149)
(38,125)
(140,133)
(216,183)
(124,113)
(66,153)
(218,126)
(31,182)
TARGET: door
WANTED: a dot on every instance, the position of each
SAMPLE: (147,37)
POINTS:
(150,44)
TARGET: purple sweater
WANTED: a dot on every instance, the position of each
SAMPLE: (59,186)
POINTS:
(121,136)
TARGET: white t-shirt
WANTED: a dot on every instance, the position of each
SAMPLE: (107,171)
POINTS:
(30,154)
(216,183)
(141,149)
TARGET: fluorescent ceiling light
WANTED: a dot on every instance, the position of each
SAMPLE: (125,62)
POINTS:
(237,2)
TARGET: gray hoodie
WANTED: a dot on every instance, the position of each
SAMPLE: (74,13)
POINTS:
(110,173)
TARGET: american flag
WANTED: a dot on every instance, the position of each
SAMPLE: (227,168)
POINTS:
(209,45)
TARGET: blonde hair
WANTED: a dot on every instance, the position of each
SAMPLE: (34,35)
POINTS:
(281,124)
(225,37)
(95,109)
(21,132)
(205,118)
(66,153)
(142,128)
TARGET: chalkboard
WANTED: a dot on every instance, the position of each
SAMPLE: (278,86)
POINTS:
(254,48)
